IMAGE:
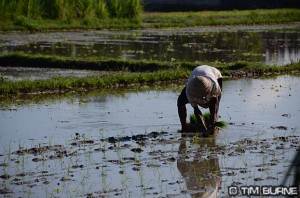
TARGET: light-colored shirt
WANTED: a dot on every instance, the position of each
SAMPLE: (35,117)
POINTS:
(213,74)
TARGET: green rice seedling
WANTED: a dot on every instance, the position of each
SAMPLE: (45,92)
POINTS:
(206,117)
(124,179)
(193,119)
(239,149)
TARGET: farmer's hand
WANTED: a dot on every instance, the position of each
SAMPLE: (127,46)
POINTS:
(211,129)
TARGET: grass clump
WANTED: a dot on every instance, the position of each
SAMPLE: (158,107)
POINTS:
(206,118)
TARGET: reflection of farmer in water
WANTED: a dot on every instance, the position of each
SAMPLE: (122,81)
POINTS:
(204,88)
(201,171)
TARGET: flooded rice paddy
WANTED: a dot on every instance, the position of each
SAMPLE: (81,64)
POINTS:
(31,73)
(127,144)
(224,44)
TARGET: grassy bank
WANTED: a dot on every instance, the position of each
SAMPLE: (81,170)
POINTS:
(150,20)
(105,81)
(213,18)
(32,14)
(89,63)
(130,73)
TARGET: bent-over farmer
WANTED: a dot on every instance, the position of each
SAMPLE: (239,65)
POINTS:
(204,88)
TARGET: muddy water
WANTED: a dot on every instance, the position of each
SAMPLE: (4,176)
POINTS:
(116,153)
(226,44)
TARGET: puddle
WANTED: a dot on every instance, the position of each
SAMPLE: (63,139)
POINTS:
(128,146)
(224,44)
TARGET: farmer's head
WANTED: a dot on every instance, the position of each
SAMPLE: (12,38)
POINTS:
(199,88)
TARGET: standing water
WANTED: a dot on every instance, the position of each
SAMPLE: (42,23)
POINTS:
(225,44)
(128,145)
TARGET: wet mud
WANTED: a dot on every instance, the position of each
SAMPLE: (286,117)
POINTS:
(86,167)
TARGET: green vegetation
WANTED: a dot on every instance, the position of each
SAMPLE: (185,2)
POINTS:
(193,119)
(97,14)
(104,81)
(57,14)
(212,18)
(206,116)
(123,73)
(90,63)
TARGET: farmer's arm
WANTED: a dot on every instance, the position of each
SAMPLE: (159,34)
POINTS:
(213,109)
(220,81)
(181,102)
(214,104)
